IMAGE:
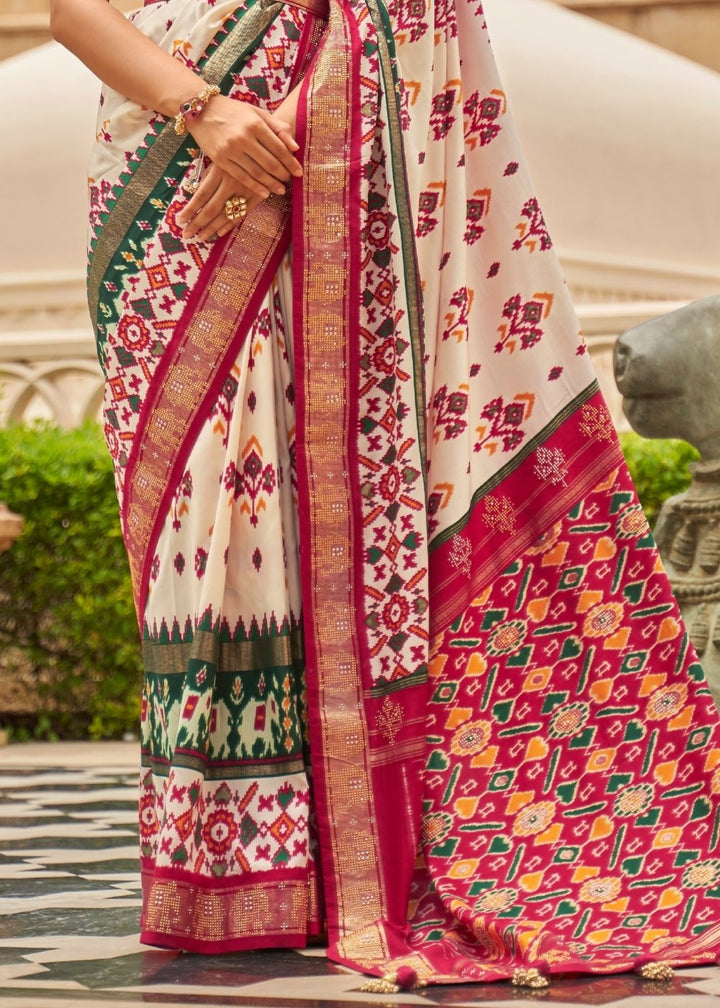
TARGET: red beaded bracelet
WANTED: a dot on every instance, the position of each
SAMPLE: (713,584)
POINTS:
(192,108)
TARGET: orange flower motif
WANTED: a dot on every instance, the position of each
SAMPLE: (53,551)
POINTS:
(715,782)
(632,523)
(507,637)
(534,818)
(702,875)
(495,900)
(666,702)
(570,719)
(603,619)
(435,826)
(471,738)
(600,890)
(634,800)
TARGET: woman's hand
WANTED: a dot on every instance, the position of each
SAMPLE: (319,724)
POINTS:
(204,214)
(253,147)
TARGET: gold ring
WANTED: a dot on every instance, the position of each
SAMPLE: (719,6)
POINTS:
(236,208)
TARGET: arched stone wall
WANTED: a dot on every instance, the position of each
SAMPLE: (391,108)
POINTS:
(690,28)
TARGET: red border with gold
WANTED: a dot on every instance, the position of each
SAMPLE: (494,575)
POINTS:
(326,246)
(366,785)
(204,345)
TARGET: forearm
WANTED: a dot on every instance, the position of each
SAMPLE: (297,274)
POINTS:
(121,56)
(249,144)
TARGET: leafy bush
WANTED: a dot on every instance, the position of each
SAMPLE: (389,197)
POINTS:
(658,468)
(68,633)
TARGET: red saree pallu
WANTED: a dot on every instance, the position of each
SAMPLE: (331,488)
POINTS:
(414,671)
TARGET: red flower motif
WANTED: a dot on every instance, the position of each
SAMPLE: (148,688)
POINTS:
(171,218)
(378,229)
(133,331)
(396,612)
(219,831)
(390,483)
(148,816)
(111,439)
(384,356)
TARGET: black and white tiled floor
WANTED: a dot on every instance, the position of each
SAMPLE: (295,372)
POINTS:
(69,903)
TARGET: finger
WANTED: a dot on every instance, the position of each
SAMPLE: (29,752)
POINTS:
(205,218)
(284,130)
(272,145)
(199,199)
(210,181)
(245,181)
(270,148)
(249,177)
(220,225)
(264,167)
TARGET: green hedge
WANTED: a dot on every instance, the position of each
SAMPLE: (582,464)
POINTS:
(68,631)
(659,469)
(67,624)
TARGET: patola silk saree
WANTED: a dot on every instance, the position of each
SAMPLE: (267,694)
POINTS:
(414,672)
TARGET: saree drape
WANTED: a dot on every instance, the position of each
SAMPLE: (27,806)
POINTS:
(414,672)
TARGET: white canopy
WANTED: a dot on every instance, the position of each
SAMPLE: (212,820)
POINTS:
(623,141)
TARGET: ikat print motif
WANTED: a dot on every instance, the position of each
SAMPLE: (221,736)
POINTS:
(570,795)
(572,776)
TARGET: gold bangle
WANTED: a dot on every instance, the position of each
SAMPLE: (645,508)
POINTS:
(192,108)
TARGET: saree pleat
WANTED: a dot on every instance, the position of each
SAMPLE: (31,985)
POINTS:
(414,671)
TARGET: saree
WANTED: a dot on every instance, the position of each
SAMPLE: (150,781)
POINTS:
(414,672)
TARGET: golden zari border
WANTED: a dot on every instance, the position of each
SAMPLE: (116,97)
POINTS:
(230,656)
(151,169)
(212,915)
(196,359)
(327,339)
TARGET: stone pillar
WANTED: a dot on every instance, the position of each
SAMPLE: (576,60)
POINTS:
(688,537)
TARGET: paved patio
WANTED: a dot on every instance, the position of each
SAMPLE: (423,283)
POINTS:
(70,897)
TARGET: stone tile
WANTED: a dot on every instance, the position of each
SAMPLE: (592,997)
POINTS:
(69,899)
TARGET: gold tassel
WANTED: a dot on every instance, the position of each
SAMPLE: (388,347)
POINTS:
(682,551)
(529,978)
(700,631)
(710,551)
(657,971)
(382,985)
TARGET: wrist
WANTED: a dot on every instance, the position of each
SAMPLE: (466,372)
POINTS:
(192,108)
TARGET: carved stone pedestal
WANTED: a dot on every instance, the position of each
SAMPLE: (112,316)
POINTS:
(688,536)
(668,371)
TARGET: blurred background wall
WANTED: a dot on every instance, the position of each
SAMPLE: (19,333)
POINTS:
(617,103)
(688,27)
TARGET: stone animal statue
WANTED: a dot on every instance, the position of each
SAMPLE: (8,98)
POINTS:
(668,372)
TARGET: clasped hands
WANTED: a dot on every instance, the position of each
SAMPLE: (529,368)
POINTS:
(251,153)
